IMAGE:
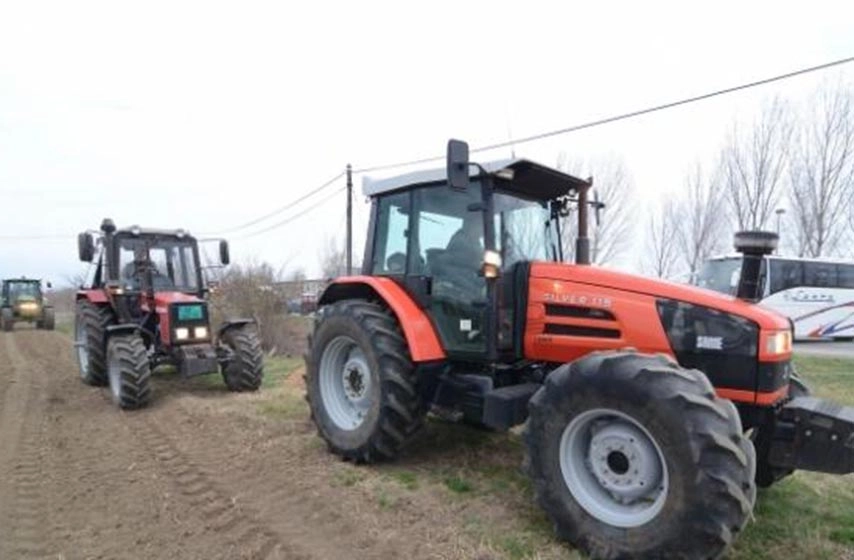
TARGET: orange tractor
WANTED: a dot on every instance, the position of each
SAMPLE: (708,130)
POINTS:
(652,409)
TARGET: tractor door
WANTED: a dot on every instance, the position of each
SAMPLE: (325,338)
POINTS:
(430,239)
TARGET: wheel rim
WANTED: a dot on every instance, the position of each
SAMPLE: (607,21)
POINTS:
(346,387)
(114,375)
(614,468)
(82,348)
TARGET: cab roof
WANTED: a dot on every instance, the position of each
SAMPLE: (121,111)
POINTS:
(137,231)
(529,179)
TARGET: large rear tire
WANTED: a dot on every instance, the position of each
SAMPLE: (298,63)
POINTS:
(128,370)
(245,371)
(7,319)
(361,383)
(632,456)
(90,327)
(48,321)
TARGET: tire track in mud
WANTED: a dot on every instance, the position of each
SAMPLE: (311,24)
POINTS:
(23,500)
(239,525)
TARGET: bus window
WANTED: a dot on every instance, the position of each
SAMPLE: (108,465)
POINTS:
(820,275)
(786,274)
(845,272)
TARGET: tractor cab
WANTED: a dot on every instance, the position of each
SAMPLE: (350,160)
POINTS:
(22,300)
(445,243)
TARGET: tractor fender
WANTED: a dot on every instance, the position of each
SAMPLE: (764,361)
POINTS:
(123,328)
(229,324)
(421,336)
(92,296)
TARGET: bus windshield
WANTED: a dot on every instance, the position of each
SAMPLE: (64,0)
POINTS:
(720,275)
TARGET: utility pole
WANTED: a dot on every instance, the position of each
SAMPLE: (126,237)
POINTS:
(349,219)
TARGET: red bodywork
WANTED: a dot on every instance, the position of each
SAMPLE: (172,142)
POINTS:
(631,300)
(160,302)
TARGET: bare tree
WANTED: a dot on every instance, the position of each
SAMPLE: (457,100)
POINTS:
(662,259)
(822,173)
(333,259)
(703,223)
(613,235)
(753,166)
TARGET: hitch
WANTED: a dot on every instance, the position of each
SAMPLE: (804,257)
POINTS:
(814,435)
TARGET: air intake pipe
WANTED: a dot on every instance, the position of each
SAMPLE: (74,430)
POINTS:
(754,245)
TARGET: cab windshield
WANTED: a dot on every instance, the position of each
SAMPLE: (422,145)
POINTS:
(24,290)
(524,230)
(172,264)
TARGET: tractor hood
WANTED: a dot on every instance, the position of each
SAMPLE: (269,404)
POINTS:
(597,276)
(163,299)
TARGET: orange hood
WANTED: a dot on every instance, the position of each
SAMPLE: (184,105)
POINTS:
(597,276)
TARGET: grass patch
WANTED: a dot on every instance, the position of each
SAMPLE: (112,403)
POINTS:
(277,369)
(831,378)
(459,485)
(407,479)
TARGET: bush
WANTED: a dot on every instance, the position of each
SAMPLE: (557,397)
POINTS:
(251,292)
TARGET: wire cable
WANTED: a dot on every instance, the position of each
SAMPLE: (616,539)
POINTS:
(281,209)
(296,216)
(619,117)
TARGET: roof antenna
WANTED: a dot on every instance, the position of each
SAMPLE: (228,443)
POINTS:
(509,132)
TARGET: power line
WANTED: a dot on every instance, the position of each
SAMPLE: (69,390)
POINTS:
(56,237)
(296,216)
(620,117)
(281,209)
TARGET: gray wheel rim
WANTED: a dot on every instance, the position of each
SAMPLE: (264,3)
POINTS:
(614,468)
(114,375)
(346,388)
(82,348)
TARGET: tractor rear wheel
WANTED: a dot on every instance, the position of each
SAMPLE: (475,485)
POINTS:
(360,382)
(633,456)
(128,370)
(7,319)
(245,370)
(90,327)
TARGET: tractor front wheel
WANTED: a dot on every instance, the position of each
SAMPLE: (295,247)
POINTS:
(128,370)
(245,370)
(633,456)
(90,327)
(360,382)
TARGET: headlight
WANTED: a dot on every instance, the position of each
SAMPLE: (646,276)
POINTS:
(778,342)
(200,332)
(182,333)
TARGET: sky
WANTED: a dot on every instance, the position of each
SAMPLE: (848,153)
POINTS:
(207,115)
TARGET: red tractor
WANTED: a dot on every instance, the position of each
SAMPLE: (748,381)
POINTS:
(652,409)
(146,307)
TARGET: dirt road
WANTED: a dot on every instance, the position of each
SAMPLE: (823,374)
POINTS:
(197,475)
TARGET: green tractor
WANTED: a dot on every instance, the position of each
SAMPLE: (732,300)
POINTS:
(22,300)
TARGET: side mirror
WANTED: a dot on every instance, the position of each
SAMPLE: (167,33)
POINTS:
(85,247)
(224,256)
(458,164)
(49,285)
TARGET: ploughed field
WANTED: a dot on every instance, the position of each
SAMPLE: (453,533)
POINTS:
(204,473)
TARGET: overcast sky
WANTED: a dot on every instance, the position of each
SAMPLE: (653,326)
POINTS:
(207,115)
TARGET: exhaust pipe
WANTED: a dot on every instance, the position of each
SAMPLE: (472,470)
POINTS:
(754,245)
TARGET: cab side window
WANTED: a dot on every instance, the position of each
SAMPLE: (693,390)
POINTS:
(392,235)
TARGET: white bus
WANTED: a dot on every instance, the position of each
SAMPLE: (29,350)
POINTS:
(817,295)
